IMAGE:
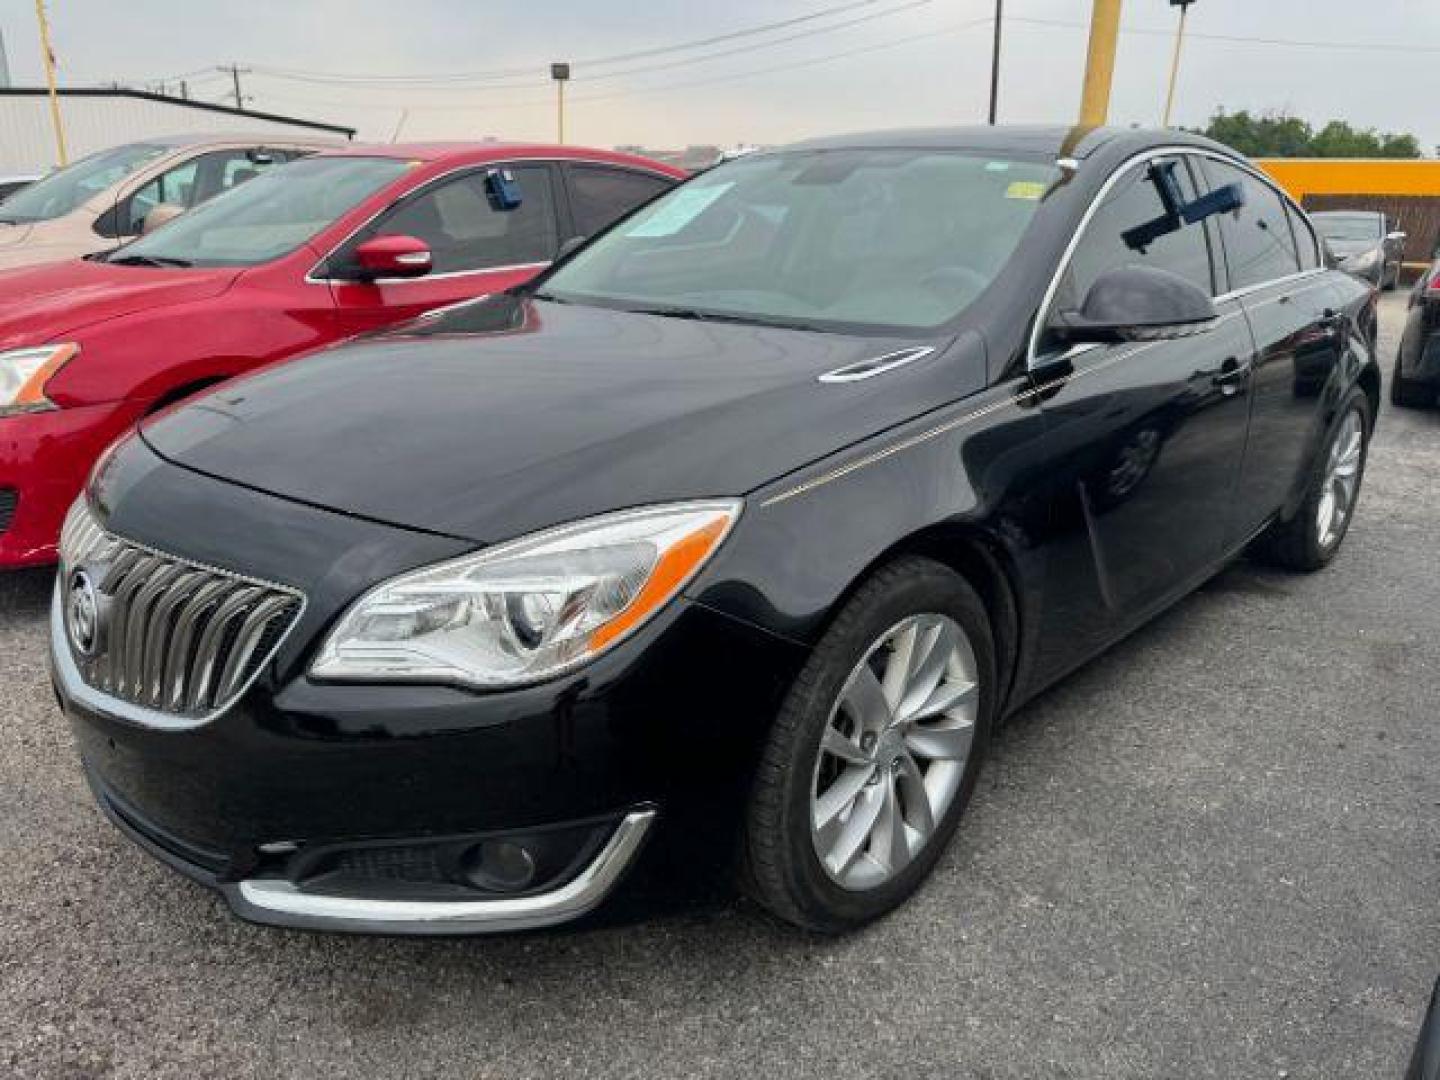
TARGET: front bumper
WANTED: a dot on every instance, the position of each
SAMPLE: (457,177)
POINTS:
(44,460)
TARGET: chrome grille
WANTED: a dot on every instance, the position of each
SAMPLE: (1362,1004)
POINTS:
(170,635)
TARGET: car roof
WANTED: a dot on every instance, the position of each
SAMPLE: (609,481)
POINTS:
(259,138)
(460,153)
(1042,141)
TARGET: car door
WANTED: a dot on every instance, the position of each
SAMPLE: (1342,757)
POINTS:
(1291,307)
(600,195)
(478,246)
(1146,436)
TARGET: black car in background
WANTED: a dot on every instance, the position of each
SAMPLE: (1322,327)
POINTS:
(1364,244)
(1416,376)
(737,533)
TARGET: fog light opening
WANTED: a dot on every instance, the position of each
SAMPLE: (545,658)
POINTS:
(500,866)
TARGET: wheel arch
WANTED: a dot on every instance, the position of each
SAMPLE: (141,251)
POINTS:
(986,567)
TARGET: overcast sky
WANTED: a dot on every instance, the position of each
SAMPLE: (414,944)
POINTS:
(903,62)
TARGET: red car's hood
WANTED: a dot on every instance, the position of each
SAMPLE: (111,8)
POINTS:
(44,303)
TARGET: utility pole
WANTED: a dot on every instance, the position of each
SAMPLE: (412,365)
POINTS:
(47,55)
(1184,6)
(561,74)
(1100,62)
(235,71)
(995,61)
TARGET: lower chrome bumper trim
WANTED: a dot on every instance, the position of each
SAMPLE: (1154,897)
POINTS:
(281,902)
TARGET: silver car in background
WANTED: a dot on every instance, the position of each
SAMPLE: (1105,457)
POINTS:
(1364,244)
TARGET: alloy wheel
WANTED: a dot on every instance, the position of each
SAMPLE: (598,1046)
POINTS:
(893,752)
(1342,480)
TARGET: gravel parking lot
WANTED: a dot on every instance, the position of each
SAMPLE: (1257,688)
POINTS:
(1212,853)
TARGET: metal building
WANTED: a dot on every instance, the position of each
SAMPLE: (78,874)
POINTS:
(96,119)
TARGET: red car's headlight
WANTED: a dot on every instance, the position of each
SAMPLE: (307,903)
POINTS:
(24,373)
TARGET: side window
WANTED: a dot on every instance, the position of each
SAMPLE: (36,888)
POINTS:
(187,186)
(599,195)
(466,232)
(1304,239)
(175,187)
(1133,227)
(1259,246)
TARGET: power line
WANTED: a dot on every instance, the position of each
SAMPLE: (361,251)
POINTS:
(482,106)
(597,61)
(669,65)
(1235,39)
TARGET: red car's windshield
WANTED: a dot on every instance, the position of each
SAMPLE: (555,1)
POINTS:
(267,217)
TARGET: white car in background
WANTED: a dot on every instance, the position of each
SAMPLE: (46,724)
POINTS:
(111,197)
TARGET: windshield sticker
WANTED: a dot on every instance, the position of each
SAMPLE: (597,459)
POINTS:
(683,207)
(1029,190)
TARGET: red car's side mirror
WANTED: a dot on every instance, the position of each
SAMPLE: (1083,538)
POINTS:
(393,257)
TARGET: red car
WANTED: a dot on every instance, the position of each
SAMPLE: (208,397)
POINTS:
(300,257)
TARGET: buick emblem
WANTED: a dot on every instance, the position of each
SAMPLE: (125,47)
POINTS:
(82,614)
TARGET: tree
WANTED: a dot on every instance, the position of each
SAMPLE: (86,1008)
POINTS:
(1278,135)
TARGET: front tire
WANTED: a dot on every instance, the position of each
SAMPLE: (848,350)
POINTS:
(1310,539)
(875,752)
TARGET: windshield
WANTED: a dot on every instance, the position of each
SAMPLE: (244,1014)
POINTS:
(65,190)
(1348,226)
(900,239)
(267,217)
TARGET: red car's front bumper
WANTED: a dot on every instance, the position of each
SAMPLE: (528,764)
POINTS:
(44,460)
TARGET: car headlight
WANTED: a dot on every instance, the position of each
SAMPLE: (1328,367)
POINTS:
(24,373)
(526,610)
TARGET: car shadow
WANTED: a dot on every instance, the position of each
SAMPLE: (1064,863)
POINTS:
(25,593)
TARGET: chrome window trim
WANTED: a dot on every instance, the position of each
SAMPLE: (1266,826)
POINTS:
(311,279)
(1142,158)
(277,897)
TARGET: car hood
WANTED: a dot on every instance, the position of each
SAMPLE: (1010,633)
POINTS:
(508,416)
(43,303)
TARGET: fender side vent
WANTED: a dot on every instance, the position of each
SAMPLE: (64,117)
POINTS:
(878,365)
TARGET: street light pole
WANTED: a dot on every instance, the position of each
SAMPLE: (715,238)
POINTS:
(995,61)
(1184,6)
(561,74)
(47,56)
(1100,62)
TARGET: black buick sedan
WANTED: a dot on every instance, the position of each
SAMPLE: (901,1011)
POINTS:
(732,538)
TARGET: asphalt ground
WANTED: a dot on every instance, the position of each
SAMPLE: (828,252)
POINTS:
(1211,853)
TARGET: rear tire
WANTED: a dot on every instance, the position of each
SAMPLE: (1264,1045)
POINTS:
(867,770)
(1407,393)
(1310,539)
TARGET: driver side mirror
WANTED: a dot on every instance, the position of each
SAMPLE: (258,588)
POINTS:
(1137,303)
(392,257)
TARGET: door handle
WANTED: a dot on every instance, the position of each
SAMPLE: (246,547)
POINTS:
(1231,376)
